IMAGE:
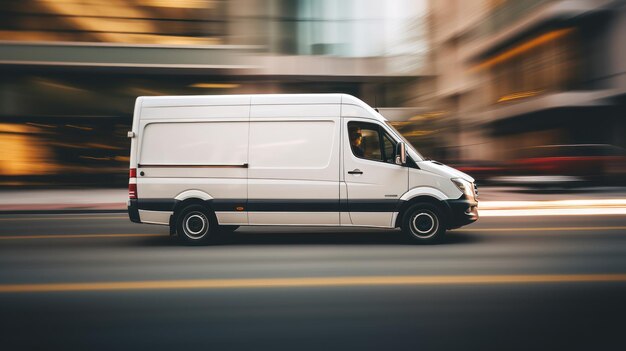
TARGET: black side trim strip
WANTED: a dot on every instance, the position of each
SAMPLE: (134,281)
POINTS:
(284,205)
(228,204)
(293,205)
(156,204)
(391,205)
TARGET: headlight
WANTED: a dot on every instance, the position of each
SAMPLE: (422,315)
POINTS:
(466,187)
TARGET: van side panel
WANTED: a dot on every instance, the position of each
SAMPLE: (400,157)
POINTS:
(294,165)
(291,111)
(196,100)
(194,112)
(295,99)
(183,148)
(207,143)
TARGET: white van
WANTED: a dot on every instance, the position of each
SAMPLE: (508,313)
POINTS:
(209,164)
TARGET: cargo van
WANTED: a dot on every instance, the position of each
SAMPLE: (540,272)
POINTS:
(205,165)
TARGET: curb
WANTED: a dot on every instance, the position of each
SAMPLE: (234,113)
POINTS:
(59,208)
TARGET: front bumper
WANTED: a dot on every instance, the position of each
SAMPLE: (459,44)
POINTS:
(133,211)
(462,211)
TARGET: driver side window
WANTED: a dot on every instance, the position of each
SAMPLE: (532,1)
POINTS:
(390,149)
(369,141)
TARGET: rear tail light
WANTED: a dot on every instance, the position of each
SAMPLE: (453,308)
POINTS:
(132,190)
(132,183)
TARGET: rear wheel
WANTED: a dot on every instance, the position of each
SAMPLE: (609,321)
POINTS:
(423,223)
(195,225)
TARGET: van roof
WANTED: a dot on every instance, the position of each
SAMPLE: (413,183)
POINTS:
(258,99)
(255,99)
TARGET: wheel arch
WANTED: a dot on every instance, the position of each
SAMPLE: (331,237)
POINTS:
(181,204)
(193,194)
(429,199)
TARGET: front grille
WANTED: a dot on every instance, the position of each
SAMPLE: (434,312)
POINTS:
(475,191)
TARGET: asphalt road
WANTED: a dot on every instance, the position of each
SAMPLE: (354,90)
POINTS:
(97,281)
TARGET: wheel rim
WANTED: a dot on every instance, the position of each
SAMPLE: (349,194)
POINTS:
(196,225)
(424,224)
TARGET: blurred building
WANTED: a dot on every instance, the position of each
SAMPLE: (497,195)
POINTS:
(71,69)
(514,74)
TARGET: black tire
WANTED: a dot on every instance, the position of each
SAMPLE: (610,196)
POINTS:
(196,225)
(228,228)
(423,223)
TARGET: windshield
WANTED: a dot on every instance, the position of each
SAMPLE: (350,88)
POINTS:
(416,156)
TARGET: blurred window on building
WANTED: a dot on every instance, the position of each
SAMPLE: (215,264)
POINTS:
(503,13)
(366,28)
(548,62)
(133,21)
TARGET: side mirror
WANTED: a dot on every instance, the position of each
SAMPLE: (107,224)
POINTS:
(401,154)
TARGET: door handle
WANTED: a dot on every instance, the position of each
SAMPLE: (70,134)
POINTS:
(356,171)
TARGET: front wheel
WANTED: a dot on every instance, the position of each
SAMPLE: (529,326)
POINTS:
(423,223)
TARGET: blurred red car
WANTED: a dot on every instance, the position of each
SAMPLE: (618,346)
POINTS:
(482,171)
(596,163)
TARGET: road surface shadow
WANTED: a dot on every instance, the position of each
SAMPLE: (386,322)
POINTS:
(294,237)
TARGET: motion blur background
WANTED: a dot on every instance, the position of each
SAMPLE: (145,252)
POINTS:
(509,91)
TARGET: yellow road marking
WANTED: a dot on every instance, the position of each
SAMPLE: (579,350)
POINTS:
(76,236)
(58,218)
(530,229)
(311,282)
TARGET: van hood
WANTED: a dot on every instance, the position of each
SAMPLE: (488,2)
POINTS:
(442,170)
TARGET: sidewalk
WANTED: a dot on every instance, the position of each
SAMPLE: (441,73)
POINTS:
(504,200)
(63,200)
